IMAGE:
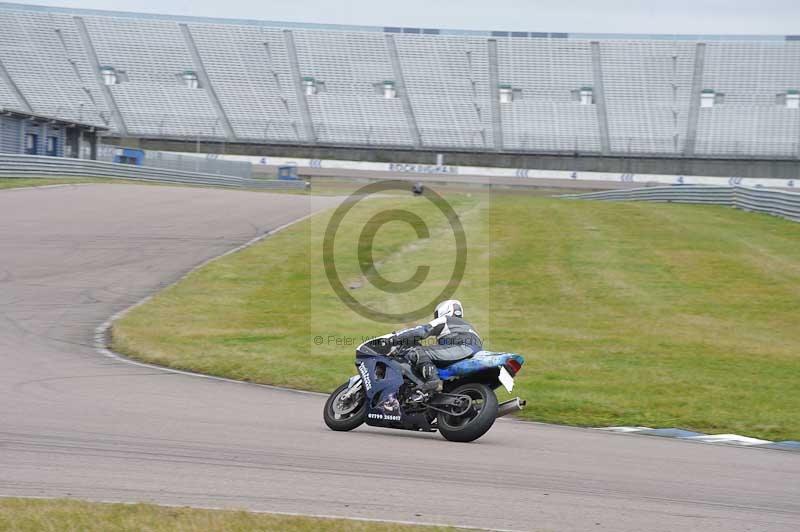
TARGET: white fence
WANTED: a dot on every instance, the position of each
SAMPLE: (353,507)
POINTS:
(197,163)
(55,167)
(523,173)
(768,201)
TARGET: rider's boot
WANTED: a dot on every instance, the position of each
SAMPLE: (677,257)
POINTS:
(425,368)
(432,384)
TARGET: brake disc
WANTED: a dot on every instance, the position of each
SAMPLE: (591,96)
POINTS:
(342,408)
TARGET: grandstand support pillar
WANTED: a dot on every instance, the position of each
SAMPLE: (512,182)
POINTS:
(91,54)
(73,143)
(302,103)
(400,84)
(494,86)
(694,103)
(205,82)
(93,147)
(5,76)
(600,99)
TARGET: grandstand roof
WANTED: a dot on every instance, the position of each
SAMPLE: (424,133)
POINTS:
(394,29)
(51,119)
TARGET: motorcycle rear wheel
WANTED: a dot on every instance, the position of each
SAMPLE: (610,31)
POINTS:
(344,417)
(474,424)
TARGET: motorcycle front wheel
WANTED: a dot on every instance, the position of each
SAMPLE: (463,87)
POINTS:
(344,415)
(477,421)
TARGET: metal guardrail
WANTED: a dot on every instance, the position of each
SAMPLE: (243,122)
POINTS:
(768,201)
(54,167)
(197,163)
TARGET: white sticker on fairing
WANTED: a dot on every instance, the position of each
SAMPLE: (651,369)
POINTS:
(365,376)
(506,379)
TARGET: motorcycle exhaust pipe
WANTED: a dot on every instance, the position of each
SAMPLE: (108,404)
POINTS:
(512,405)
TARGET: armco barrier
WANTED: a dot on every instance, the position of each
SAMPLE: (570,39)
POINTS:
(54,167)
(768,201)
(196,163)
(429,170)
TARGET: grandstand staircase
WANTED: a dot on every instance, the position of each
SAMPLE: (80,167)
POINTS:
(494,84)
(91,55)
(77,71)
(302,102)
(6,77)
(600,99)
(205,82)
(400,84)
(694,103)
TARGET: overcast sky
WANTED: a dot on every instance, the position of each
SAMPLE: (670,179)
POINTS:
(583,16)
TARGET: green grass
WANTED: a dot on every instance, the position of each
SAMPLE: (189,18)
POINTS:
(17,182)
(321,187)
(22,182)
(61,515)
(627,313)
(343,186)
(326,187)
(254,317)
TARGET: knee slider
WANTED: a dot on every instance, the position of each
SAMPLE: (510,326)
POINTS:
(418,357)
(429,371)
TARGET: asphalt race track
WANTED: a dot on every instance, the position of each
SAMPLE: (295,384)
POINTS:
(75,423)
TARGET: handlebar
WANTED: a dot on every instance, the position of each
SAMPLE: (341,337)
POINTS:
(384,345)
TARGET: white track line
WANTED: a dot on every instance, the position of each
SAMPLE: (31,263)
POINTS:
(733,439)
(102,332)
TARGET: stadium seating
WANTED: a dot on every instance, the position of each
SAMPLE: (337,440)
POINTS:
(153,55)
(249,69)
(545,116)
(647,89)
(350,109)
(751,75)
(301,83)
(43,57)
(439,72)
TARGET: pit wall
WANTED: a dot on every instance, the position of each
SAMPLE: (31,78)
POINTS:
(443,172)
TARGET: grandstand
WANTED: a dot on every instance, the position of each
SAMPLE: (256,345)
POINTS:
(291,84)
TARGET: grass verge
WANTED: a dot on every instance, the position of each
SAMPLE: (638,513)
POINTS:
(627,313)
(61,515)
(18,182)
(23,182)
(321,187)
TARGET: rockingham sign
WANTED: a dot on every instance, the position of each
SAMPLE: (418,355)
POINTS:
(422,168)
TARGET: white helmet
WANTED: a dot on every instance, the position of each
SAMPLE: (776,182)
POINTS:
(451,307)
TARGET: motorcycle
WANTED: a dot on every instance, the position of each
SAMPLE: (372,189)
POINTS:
(382,391)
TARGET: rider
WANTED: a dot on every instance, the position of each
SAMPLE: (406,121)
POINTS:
(455,337)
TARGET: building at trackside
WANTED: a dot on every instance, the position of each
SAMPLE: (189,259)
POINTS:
(693,104)
(23,133)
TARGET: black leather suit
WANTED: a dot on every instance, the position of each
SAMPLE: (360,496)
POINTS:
(456,340)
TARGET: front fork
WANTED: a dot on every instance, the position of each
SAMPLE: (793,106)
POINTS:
(353,386)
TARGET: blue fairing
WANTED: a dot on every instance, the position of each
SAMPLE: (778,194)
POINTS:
(480,361)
